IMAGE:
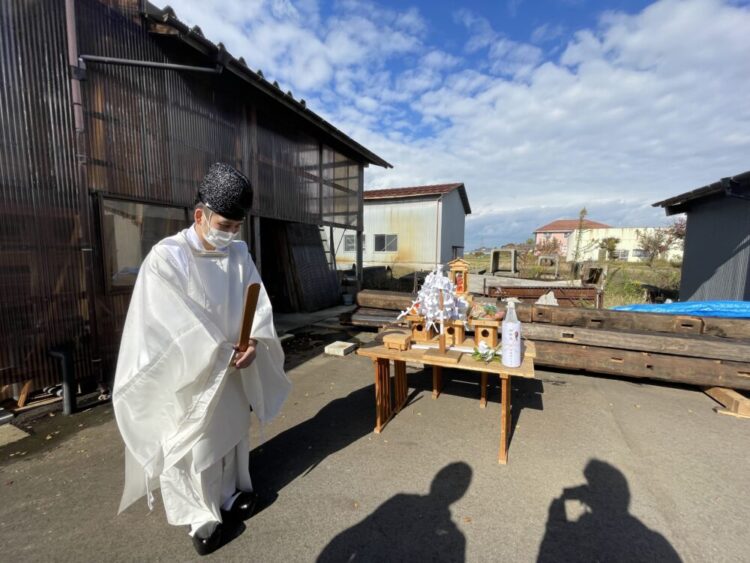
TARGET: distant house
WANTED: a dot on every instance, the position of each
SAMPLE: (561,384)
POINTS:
(415,227)
(561,230)
(716,264)
(627,248)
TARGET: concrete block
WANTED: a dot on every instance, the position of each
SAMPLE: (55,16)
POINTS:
(340,348)
(10,434)
(5,416)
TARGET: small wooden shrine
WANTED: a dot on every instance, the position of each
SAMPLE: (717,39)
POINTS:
(459,275)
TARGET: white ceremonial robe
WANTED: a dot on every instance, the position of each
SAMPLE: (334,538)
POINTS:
(182,409)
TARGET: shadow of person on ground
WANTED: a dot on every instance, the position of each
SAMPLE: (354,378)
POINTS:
(605,531)
(525,393)
(408,527)
(298,450)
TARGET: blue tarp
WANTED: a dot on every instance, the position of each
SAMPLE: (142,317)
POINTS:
(726,309)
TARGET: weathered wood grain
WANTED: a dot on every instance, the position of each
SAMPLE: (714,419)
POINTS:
(679,369)
(675,344)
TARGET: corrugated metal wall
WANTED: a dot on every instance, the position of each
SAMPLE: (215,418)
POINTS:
(453,226)
(150,134)
(42,290)
(414,221)
(716,263)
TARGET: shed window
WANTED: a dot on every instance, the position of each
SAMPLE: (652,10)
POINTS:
(350,243)
(386,243)
(129,230)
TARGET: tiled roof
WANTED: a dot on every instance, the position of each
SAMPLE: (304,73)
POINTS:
(567,225)
(420,191)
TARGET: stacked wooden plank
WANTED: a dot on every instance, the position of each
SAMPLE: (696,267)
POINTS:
(588,296)
(701,351)
(377,308)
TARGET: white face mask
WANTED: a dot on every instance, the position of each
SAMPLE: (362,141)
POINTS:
(216,238)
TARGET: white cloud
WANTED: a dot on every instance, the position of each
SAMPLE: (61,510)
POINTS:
(546,33)
(636,109)
(438,59)
(504,56)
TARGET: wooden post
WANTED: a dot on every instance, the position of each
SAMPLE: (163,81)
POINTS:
(399,369)
(441,339)
(387,388)
(483,397)
(735,403)
(24,395)
(504,419)
(383,406)
(437,381)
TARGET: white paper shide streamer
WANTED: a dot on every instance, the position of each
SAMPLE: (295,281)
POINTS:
(427,303)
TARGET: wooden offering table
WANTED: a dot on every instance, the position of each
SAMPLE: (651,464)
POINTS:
(391,392)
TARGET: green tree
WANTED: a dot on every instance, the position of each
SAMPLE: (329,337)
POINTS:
(609,244)
(577,252)
(677,230)
(654,243)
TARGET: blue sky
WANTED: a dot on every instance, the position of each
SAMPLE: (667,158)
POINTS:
(539,107)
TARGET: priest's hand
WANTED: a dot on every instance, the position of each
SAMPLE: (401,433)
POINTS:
(244,359)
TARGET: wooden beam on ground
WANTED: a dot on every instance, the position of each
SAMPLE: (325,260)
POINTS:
(735,403)
(24,395)
(391,300)
(678,369)
(644,322)
(727,328)
(566,296)
(35,404)
(675,344)
(611,320)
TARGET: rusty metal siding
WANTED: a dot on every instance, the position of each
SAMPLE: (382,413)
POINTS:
(149,134)
(716,262)
(42,290)
(153,132)
(416,222)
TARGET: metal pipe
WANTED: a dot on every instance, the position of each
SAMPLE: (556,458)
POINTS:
(438,231)
(85,224)
(148,64)
(64,355)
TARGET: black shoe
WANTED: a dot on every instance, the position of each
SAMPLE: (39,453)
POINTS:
(243,506)
(204,546)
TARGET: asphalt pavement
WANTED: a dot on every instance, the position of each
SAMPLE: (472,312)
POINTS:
(599,469)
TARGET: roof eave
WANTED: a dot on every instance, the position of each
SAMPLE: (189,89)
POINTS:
(195,39)
(460,187)
(735,186)
(464,199)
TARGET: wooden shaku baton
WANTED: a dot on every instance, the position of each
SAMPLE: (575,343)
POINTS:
(248,314)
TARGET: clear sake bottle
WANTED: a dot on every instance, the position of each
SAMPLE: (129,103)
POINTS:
(511,337)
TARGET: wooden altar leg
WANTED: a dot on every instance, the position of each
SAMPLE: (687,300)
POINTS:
(383,410)
(437,381)
(483,397)
(504,419)
(402,388)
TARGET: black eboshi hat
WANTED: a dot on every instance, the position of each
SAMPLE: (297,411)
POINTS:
(226,191)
